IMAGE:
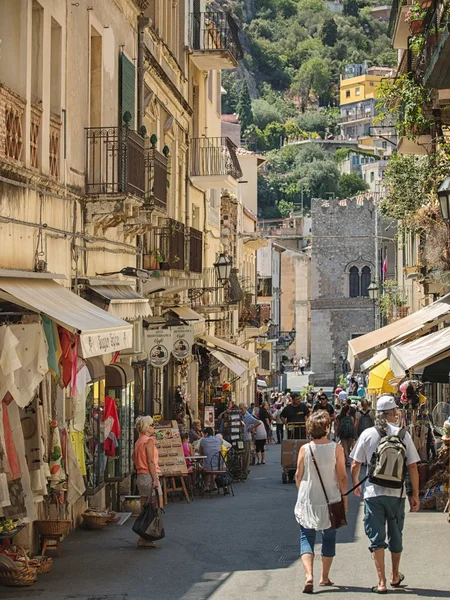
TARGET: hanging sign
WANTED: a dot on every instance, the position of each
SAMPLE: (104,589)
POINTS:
(158,345)
(209,416)
(183,339)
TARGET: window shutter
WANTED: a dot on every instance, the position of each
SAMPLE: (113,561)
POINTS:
(127,89)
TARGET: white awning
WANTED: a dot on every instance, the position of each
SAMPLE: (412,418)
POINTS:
(417,323)
(194,319)
(100,332)
(211,342)
(376,359)
(420,353)
(234,364)
(123,301)
(261,383)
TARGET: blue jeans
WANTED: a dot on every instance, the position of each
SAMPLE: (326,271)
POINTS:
(381,513)
(308,539)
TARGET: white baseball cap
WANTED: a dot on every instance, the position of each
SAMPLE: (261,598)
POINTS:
(386,402)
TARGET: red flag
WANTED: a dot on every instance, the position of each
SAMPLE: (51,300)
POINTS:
(384,268)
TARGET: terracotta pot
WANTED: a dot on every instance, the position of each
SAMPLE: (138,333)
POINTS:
(402,311)
(416,26)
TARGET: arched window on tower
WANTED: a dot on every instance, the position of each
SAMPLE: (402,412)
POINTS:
(354,282)
(365,281)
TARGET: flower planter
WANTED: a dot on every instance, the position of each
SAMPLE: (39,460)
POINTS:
(402,311)
(426,3)
(416,26)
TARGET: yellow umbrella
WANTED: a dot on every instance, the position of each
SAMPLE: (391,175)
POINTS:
(379,378)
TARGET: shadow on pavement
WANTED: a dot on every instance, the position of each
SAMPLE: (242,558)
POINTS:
(402,592)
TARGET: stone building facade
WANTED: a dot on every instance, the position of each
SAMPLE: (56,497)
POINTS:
(343,262)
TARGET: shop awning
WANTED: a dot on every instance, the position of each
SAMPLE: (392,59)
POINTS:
(420,353)
(211,342)
(123,301)
(100,332)
(418,322)
(234,364)
(193,318)
(374,361)
(261,383)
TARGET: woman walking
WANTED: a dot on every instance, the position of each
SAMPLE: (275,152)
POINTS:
(311,510)
(147,467)
(266,418)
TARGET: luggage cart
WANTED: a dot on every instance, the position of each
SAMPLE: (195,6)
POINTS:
(296,434)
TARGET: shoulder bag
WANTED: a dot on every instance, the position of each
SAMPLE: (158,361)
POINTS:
(336,510)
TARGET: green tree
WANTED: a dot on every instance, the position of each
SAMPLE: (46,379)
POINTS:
(329,32)
(285,208)
(244,107)
(351,184)
(274,134)
(350,8)
(312,78)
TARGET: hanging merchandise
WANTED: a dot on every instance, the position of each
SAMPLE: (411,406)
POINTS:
(183,339)
(112,427)
(58,474)
(158,345)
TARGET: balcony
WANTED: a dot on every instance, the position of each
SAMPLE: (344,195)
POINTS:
(173,244)
(437,73)
(214,163)
(115,162)
(399,29)
(214,41)
(195,250)
(357,115)
(264,290)
(156,165)
(211,296)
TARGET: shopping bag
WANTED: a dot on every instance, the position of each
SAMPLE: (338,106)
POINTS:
(144,527)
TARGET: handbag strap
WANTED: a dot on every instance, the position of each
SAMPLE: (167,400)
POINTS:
(318,472)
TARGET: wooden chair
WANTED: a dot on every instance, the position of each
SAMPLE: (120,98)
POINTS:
(219,467)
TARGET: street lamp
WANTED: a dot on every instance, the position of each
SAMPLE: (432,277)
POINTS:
(373,290)
(444,199)
(222,267)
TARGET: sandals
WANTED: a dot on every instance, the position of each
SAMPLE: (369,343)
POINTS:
(308,587)
(328,583)
(399,582)
(375,590)
(145,544)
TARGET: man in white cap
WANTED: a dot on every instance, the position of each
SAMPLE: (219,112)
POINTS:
(384,505)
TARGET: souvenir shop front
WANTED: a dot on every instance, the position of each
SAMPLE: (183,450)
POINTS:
(65,410)
(411,360)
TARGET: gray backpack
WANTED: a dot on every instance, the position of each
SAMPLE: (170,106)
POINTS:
(388,464)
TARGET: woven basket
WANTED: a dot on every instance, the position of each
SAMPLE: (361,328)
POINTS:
(45,565)
(21,576)
(53,526)
(94,521)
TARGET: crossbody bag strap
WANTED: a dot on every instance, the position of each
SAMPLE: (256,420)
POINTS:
(318,473)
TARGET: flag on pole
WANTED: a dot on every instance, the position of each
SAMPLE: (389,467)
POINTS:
(384,267)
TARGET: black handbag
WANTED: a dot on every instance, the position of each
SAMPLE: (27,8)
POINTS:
(149,524)
(336,510)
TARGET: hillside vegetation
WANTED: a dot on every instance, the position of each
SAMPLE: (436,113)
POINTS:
(288,88)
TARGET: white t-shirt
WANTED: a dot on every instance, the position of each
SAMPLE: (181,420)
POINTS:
(366,446)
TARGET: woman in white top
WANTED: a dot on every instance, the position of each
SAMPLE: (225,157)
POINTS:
(311,510)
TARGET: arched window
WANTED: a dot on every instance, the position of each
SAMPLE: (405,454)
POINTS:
(354,282)
(365,281)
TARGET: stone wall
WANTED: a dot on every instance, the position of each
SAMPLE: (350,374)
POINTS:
(343,235)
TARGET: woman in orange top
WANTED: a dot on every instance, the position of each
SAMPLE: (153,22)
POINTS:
(147,468)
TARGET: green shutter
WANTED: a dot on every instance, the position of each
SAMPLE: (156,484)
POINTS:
(127,91)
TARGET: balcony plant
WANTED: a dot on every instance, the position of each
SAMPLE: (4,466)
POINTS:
(414,17)
(392,296)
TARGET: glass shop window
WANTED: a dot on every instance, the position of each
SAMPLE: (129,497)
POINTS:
(94,435)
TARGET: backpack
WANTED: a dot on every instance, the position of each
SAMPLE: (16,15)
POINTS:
(365,421)
(388,464)
(346,428)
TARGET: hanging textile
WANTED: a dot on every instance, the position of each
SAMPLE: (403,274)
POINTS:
(30,429)
(67,357)
(75,482)
(79,401)
(10,446)
(57,471)
(77,439)
(54,345)
(4,465)
(25,361)
(20,492)
(112,427)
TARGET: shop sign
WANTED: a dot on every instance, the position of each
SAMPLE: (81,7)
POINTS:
(209,417)
(103,342)
(158,345)
(183,339)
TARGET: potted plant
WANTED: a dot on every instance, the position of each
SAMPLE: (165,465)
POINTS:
(414,17)
(393,297)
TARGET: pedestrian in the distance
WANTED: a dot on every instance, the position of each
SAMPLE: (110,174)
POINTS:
(311,510)
(260,439)
(365,417)
(384,505)
(302,365)
(323,404)
(295,364)
(344,429)
(279,423)
(266,418)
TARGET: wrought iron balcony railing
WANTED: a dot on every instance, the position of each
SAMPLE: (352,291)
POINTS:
(218,30)
(157,171)
(172,240)
(214,156)
(195,250)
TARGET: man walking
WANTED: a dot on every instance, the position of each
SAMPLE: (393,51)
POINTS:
(384,506)
(249,423)
(296,412)
(302,365)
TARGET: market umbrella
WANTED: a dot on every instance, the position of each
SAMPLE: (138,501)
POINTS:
(379,378)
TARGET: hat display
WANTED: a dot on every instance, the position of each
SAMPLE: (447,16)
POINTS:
(386,402)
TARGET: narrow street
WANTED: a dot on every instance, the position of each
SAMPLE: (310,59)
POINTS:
(243,547)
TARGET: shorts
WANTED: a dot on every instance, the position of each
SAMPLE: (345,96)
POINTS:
(259,445)
(384,513)
(144,482)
